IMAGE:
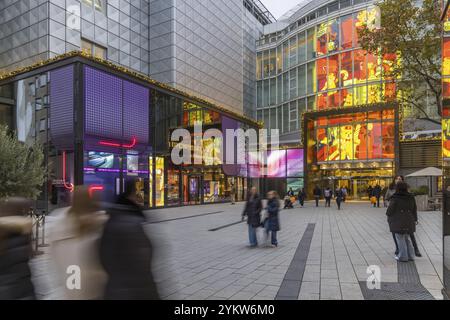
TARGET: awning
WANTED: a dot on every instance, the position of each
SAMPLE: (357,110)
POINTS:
(427,172)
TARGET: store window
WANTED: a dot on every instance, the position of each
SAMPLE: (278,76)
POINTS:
(159,182)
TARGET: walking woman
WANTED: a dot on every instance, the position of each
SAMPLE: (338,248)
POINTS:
(252,210)
(272,223)
(388,196)
(402,219)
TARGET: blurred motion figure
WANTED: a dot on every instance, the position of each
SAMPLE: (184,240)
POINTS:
(15,250)
(126,252)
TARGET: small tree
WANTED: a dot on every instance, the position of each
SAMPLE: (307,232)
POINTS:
(413,31)
(21,167)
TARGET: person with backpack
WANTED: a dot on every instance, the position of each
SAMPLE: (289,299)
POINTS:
(328,194)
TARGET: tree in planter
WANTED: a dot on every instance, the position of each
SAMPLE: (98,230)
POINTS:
(22,168)
(412,33)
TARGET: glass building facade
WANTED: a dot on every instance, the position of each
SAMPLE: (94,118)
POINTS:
(101,126)
(322,91)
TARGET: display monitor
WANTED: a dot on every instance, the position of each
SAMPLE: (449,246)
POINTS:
(101,160)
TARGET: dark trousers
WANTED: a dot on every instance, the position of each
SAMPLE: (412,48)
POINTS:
(317,200)
(327,202)
(338,202)
(413,240)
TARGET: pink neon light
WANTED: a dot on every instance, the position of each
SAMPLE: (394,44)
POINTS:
(118,145)
(69,186)
(95,188)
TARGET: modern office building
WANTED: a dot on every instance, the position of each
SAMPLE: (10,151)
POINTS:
(101,125)
(204,48)
(326,94)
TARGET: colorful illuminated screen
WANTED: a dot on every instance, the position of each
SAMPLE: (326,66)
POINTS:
(101,160)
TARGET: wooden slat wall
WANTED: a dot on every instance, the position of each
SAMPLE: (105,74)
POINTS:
(420,154)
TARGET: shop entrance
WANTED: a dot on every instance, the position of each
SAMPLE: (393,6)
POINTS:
(191,189)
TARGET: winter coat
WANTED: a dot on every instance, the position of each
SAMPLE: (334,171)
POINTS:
(126,254)
(69,247)
(15,253)
(317,192)
(402,213)
(339,195)
(252,210)
(301,195)
(273,206)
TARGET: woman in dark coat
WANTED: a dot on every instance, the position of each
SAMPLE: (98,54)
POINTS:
(252,210)
(272,223)
(15,252)
(301,196)
(126,252)
(402,219)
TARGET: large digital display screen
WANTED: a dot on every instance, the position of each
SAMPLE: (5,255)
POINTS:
(295,163)
(276,164)
(365,137)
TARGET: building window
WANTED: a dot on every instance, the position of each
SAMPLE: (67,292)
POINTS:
(93,49)
(98,5)
(38,104)
(42,125)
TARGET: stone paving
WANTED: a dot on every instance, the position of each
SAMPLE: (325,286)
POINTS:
(192,262)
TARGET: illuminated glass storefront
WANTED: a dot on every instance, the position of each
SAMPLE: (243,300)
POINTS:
(354,150)
(101,126)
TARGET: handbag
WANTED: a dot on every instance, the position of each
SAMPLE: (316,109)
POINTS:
(373,200)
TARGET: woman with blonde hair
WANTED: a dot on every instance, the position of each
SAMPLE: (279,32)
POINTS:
(74,248)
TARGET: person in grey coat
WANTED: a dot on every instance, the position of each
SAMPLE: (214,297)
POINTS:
(402,219)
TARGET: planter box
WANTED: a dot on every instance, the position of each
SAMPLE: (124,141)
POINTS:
(422,202)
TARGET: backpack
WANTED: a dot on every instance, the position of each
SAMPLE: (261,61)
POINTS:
(327,193)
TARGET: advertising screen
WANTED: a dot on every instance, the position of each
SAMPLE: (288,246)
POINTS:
(101,160)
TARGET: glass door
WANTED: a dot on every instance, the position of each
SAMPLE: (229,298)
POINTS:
(194,190)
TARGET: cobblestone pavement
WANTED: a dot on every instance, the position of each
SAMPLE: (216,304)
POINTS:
(327,262)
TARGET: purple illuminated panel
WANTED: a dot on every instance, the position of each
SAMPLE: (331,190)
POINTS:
(61,107)
(115,109)
(229,169)
(136,112)
(295,163)
(103,101)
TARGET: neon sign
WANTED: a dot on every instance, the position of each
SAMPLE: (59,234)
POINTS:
(69,186)
(119,145)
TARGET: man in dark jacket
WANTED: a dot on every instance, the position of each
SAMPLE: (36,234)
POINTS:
(377,194)
(301,196)
(252,210)
(402,219)
(15,251)
(317,194)
(126,252)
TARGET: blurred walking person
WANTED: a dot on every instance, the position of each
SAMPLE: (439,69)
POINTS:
(376,192)
(15,250)
(344,194)
(301,196)
(328,194)
(233,193)
(126,251)
(252,210)
(339,198)
(272,223)
(317,194)
(402,219)
(75,238)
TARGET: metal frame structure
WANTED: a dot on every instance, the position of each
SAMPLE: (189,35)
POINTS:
(259,10)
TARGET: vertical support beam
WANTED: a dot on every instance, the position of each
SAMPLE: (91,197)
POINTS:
(79,124)
(397,139)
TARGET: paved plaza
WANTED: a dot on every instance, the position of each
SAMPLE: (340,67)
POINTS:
(202,253)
